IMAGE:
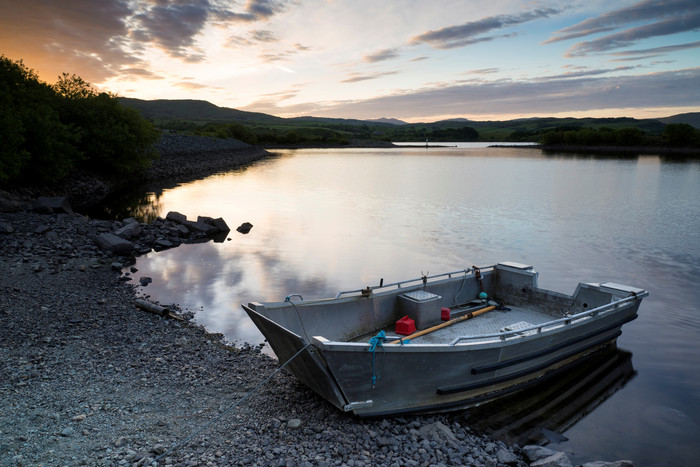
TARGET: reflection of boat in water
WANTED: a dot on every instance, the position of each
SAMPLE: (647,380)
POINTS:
(340,350)
(554,405)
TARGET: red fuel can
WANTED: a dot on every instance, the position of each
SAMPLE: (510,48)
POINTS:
(405,326)
(445,313)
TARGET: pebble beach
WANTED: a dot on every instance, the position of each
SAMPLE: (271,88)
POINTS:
(89,378)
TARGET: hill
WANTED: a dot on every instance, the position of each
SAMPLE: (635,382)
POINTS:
(192,115)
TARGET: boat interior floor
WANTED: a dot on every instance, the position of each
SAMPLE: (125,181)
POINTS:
(491,322)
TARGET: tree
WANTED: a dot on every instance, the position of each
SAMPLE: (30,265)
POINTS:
(36,144)
(680,134)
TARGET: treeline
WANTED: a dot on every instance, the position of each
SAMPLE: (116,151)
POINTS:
(263,135)
(47,131)
(677,135)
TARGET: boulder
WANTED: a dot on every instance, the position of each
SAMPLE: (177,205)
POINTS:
(130,230)
(221,224)
(176,217)
(558,459)
(437,431)
(245,227)
(53,205)
(535,453)
(114,244)
(200,227)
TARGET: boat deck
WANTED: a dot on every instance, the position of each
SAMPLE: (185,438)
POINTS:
(491,322)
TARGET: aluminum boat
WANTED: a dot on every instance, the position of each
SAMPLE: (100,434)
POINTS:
(480,334)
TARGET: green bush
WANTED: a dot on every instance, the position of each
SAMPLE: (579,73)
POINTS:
(47,131)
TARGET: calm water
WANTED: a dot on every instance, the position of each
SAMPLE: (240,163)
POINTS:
(331,220)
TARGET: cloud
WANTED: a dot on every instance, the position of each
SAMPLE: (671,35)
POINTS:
(382,55)
(525,98)
(646,10)
(254,10)
(68,35)
(674,25)
(356,77)
(659,50)
(467,33)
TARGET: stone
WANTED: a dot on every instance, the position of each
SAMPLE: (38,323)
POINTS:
(437,431)
(221,224)
(53,205)
(294,423)
(535,453)
(68,432)
(129,231)
(506,457)
(114,244)
(144,281)
(6,228)
(200,227)
(244,228)
(558,459)
(621,463)
(175,216)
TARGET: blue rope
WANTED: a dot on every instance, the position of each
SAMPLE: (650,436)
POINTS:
(377,341)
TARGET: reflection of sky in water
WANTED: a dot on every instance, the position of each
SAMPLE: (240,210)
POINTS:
(331,220)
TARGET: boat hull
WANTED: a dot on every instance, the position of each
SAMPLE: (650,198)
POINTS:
(395,378)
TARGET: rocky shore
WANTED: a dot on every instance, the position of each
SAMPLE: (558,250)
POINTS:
(89,378)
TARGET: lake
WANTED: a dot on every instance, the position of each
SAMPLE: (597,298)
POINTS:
(326,220)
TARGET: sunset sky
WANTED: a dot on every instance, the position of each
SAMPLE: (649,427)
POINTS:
(414,60)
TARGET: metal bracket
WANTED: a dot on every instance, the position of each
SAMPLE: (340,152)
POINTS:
(358,405)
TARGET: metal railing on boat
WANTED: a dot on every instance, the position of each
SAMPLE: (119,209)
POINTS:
(539,328)
(417,281)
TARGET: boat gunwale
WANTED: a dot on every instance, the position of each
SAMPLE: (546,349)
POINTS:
(497,339)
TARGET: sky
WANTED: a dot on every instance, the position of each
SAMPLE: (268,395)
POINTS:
(414,60)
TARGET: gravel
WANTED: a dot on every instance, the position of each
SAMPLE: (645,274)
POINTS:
(88,378)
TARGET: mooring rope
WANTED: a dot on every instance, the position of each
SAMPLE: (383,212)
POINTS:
(377,341)
(233,406)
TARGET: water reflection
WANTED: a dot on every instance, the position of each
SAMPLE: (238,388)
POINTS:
(538,414)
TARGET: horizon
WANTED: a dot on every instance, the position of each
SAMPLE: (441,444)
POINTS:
(402,60)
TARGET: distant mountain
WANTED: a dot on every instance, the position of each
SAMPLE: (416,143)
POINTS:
(692,119)
(199,112)
(194,111)
(391,121)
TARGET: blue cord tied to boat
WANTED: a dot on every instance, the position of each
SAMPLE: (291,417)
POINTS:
(377,341)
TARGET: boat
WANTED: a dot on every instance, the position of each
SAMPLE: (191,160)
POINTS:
(442,342)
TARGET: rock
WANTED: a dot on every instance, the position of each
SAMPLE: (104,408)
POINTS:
(53,205)
(6,228)
(622,463)
(200,227)
(114,244)
(437,431)
(144,281)
(506,457)
(121,441)
(221,224)
(176,217)
(294,423)
(535,453)
(68,432)
(116,266)
(42,229)
(245,227)
(129,231)
(558,459)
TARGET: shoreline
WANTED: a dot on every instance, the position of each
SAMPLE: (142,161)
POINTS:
(606,149)
(89,378)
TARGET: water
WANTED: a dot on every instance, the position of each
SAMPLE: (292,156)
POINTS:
(327,220)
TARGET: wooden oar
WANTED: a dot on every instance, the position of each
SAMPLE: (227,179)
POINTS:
(445,324)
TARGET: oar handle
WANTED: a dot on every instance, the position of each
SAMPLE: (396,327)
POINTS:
(445,324)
